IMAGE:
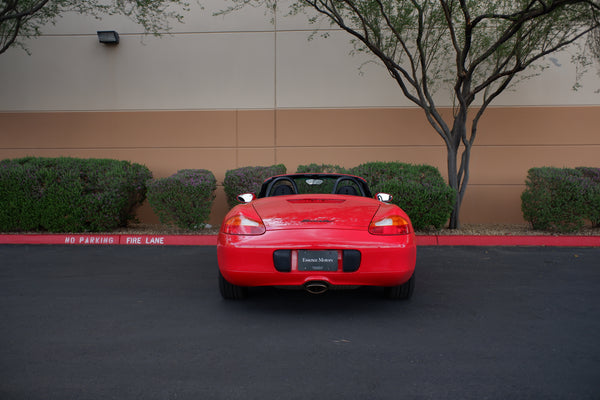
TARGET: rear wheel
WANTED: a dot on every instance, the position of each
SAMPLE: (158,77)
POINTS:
(230,291)
(401,292)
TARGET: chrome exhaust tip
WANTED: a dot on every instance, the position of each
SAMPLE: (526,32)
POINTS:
(316,287)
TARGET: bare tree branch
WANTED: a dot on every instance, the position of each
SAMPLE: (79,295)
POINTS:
(20,19)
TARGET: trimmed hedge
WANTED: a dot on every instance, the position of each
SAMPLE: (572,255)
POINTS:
(561,199)
(321,168)
(419,190)
(184,198)
(69,194)
(593,209)
(248,180)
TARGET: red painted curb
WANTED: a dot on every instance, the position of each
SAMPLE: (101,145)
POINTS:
(173,240)
(211,240)
(139,240)
(427,240)
(59,239)
(477,240)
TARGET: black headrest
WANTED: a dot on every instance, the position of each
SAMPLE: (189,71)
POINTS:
(283,190)
(349,190)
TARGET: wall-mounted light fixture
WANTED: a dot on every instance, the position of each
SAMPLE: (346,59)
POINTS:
(108,37)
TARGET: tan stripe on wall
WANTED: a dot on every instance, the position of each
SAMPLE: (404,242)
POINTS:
(510,141)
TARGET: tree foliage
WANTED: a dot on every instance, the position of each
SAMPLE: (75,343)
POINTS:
(472,49)
(22,19)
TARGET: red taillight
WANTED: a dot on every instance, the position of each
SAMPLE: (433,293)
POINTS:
(240,224)
(389,225)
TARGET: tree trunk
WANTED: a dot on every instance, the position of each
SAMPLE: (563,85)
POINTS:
(454,184)
(457,173)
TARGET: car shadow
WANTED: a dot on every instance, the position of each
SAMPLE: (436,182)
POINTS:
(289,301)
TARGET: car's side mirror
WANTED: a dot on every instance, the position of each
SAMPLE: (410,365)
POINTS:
(384,197)
(246,197)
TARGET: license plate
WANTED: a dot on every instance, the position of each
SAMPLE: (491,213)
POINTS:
(317,260)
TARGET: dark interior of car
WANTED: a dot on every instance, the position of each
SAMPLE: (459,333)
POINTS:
(349,190)
(282,190)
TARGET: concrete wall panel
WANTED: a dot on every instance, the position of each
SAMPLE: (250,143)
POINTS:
(254,157)
(255,128)
(240,61)
(539,125)
(321,73)
(185,71)
(492,204)
(197,20)
(121,129)
(508,165)
(355,127)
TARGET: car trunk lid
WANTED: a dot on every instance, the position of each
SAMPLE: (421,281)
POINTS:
(316,211)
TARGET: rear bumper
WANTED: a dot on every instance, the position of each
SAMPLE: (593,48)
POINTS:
(248,260)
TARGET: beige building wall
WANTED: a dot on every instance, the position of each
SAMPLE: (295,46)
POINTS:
(221,93)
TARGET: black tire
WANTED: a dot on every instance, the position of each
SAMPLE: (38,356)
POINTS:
(229,291)
(401,292)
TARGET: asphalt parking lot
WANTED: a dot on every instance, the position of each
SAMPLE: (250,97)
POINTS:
(119,322)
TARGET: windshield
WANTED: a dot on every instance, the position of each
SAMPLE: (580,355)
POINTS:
(314,184)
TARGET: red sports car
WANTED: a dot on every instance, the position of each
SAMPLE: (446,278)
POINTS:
(317,232)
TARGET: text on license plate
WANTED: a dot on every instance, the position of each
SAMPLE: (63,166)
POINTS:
(317,260)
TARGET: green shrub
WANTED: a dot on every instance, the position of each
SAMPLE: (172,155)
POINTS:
(69,194)
(419,190)
(20,194)
(593,188)
(561,199)
(184,199)
(321,168)
(248,180)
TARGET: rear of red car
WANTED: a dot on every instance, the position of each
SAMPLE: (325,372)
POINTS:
(316,241)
